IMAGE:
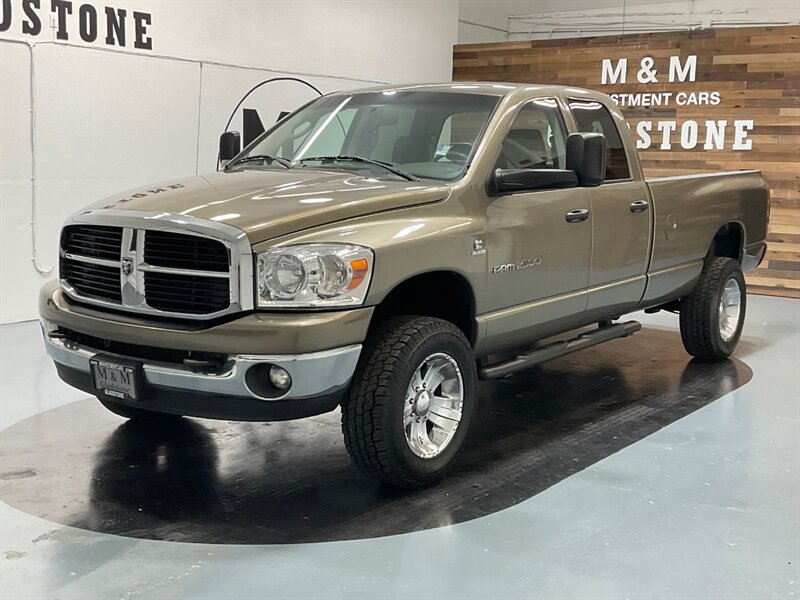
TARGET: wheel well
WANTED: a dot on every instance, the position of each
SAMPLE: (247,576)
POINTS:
(441,294)
(728,242)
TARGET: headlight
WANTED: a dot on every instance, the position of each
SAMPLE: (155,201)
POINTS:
(314,275)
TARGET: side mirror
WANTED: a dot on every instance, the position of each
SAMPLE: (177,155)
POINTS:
(586,156)
(230,144)
(507,181)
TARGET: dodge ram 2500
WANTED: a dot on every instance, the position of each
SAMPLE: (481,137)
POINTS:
(383,250)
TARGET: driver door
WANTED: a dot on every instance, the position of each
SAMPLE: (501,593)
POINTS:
(539,261)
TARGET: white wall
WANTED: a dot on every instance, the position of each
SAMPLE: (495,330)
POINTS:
(515,20)
(482,21)
(107,120)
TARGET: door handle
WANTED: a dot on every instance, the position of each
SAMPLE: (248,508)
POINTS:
(639,206)
(577,215)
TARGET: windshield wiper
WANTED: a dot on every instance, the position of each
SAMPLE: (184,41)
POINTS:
(352,158)
(265,157)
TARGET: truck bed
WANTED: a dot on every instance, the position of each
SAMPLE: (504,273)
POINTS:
(688,212)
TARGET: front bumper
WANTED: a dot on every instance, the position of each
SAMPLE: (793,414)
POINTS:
(236,386)
(319,382)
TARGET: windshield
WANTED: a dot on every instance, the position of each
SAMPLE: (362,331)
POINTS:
(424,134)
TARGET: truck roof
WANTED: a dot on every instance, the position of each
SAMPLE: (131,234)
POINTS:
(494,88)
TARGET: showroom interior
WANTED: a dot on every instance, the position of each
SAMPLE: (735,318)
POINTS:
(574,427)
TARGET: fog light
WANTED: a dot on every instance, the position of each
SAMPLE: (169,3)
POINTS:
(279,377)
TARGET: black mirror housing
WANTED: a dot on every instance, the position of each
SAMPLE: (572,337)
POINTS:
(586,155)
(507,181)
(230,144)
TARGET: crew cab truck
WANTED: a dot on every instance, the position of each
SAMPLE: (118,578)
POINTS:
(382,250)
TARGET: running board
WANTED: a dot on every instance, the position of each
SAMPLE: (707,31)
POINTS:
(560,348)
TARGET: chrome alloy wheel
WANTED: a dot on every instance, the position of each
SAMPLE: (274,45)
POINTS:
(730,309)
(433,406)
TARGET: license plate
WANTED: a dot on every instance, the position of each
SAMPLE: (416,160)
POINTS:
(116,380)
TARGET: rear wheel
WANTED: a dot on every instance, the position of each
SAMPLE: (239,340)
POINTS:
(712,316)
(138,414)
(411,400)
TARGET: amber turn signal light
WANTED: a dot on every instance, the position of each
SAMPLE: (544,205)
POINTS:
(360,268)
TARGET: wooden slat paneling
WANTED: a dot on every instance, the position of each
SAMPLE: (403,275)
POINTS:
(755,69)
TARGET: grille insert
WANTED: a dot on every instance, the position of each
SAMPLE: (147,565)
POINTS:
(186,293)
(94,241)
(91,280)
(180,251)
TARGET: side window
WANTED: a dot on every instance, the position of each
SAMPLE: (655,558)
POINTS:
(593,117)
(537,138)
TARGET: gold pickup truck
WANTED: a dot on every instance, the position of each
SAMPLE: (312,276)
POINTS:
(382,250)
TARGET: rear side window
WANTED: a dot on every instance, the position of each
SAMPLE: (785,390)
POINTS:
(593,117)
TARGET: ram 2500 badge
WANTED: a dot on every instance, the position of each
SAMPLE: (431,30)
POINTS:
(383,250)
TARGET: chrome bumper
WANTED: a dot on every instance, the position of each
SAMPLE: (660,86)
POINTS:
(314,374)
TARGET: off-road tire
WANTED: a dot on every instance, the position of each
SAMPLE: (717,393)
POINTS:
(372,412)
(699,311)
(138,414)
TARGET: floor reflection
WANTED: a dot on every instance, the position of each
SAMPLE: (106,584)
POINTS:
(220,482)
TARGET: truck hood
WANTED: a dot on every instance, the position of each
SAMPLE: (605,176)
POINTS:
(268,204)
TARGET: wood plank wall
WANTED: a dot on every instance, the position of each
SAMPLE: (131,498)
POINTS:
(757,74)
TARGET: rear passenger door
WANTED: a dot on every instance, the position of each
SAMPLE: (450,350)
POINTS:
(621,219)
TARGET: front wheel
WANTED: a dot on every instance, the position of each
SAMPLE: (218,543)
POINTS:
(712,316)
(409,406)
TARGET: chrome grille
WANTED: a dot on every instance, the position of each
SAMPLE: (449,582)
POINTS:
(161,264)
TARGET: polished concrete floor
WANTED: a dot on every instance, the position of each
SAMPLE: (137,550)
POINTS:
(624,471)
